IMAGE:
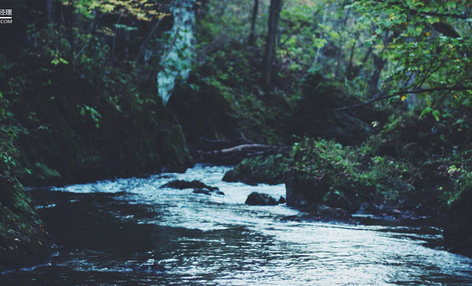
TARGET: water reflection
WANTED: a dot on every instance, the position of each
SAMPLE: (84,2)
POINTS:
(130,232)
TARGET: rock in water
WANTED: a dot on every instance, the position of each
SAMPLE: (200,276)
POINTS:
(259,199)
(204,191)
(208,192)
(150,266)
(220,193)
(180,185)
(231,176)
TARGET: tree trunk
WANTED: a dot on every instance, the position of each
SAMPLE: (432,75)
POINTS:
(321,36)
(148,38)
(274,16)
(379,64)
(252,34)
(373,83)
(49,11)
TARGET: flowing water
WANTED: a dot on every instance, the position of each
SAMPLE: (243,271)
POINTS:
(132,232)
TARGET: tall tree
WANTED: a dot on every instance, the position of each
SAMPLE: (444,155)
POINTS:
(49,10)
(274,17)
(252,34)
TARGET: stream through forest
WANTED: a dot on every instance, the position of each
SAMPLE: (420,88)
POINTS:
(132,232)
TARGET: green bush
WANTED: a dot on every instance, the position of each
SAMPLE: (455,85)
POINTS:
(261,169)
(415,158)
(349,171)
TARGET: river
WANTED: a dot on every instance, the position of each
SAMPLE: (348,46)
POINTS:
(132,232)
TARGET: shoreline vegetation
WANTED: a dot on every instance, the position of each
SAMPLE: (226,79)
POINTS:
(360,108)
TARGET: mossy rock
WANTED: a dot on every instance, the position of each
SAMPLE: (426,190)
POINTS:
(304,191)
(41,174)
(458,231)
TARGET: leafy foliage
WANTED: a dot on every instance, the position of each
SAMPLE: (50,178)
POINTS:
(23,239)
(348,170)
(425,42)
(223,98)
(417,160)
(262,169)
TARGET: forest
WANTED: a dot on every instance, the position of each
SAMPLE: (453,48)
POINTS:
(359,107)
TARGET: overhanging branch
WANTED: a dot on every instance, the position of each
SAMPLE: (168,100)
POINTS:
(414,91)
(458,16)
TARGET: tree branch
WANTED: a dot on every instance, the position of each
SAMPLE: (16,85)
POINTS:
(148,38)
(414,91)
(463,17)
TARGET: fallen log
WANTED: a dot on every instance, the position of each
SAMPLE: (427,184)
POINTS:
(206,144)
(235,154)
(248,148)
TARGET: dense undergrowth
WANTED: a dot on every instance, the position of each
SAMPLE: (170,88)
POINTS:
(76,128)
(24,240)
(82,110)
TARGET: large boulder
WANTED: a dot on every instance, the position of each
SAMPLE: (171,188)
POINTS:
(259,199)
(458,232)
(302,190)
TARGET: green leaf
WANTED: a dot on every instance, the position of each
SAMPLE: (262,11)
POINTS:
(319,43)
(426,111)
